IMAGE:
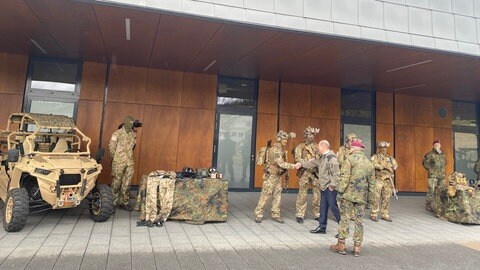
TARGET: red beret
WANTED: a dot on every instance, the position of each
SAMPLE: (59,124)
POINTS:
(357,144)
(436,141)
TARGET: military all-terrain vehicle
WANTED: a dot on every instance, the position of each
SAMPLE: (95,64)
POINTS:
(46,164)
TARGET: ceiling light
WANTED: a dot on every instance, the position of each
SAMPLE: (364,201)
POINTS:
(38,46)
(409,87)
(409,66)
(210,65)
(127,28)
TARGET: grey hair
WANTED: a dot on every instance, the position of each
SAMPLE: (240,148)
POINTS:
(325,143)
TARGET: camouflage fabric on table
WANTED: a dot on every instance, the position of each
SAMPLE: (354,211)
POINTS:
(457,202)
(195,201)
(200,200)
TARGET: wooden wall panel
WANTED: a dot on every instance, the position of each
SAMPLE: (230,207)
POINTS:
(127,84)
(403,154)
(195,143)
(114,114)
(160,139)
(325,102)
(93,81)
(89,116)
(445,122)
(404,110)
(164,87)
(423,111)
(297,125)
(445,136)
(199,91)
(384,108)
(423,144)
(266,130)
(329,130)
(267,97)
(13,73)
(9,103)
(295,99)
(384,132)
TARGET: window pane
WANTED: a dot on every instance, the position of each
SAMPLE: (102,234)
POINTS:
(238,93)
(52,107)
(54,76)
(466,153)
(464,114)
(356,104)
(364,132)
(234,149)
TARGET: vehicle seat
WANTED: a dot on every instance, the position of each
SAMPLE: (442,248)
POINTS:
(61,146)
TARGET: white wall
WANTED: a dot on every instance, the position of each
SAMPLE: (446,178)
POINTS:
(451,25)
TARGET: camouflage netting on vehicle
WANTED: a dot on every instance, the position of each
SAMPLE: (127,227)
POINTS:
(197,200)
(47,120)
(457,202)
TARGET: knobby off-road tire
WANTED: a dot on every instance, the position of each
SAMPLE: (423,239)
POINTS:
(101,203)
(15,212)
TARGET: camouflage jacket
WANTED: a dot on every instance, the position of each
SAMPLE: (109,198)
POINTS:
(476,168)
(328,169)
(357,178)
(276,160)
(121,146)
(384,165)
(435,163)
(342,155)
(306,152)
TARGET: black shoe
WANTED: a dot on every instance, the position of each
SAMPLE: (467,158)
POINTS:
(141,223)
(159,223)
(149,223)
(299,220)
(126,207)
(336,235)
(319,230)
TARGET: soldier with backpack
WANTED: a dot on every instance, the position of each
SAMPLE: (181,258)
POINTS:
(273,159)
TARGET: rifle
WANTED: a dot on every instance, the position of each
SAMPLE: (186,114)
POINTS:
(287,175)
(395,191)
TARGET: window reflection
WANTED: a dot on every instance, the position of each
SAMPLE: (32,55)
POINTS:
(238,93)
(54,76)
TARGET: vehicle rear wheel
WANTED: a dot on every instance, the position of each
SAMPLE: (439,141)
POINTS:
(15,212)
(101,203)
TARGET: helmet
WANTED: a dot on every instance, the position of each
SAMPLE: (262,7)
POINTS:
(310,131)
(350,137)
(383,144)
(212,170)
(188,172)
(282,135)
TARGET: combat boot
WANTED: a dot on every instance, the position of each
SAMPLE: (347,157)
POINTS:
(279,220)
(299,220)
(141,223)
(428,207)
(339,247)
(387,219)
(356,249)
(258,220)
(149,223)
(374,218)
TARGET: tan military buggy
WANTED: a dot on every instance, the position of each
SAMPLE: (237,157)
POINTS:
(46,164)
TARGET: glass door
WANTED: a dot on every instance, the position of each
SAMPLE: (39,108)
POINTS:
(234,148)
(234,130)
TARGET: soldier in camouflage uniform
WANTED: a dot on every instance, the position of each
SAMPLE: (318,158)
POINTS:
(305,152)
(275,168)
(344,151)
(121,148)
(435,162)
(476,168)
(357,188)
(385,166)
(159,194)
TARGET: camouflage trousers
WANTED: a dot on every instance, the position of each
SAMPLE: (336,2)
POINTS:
(272,187)
(383,194)
(122,177)
(301,204)
(346,215)
(160,193)
(432,184)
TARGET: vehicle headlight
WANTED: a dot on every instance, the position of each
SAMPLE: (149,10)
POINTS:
(92,170)
(42,171)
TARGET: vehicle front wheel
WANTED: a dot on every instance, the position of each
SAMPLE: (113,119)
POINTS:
(101,203)
(15,212)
